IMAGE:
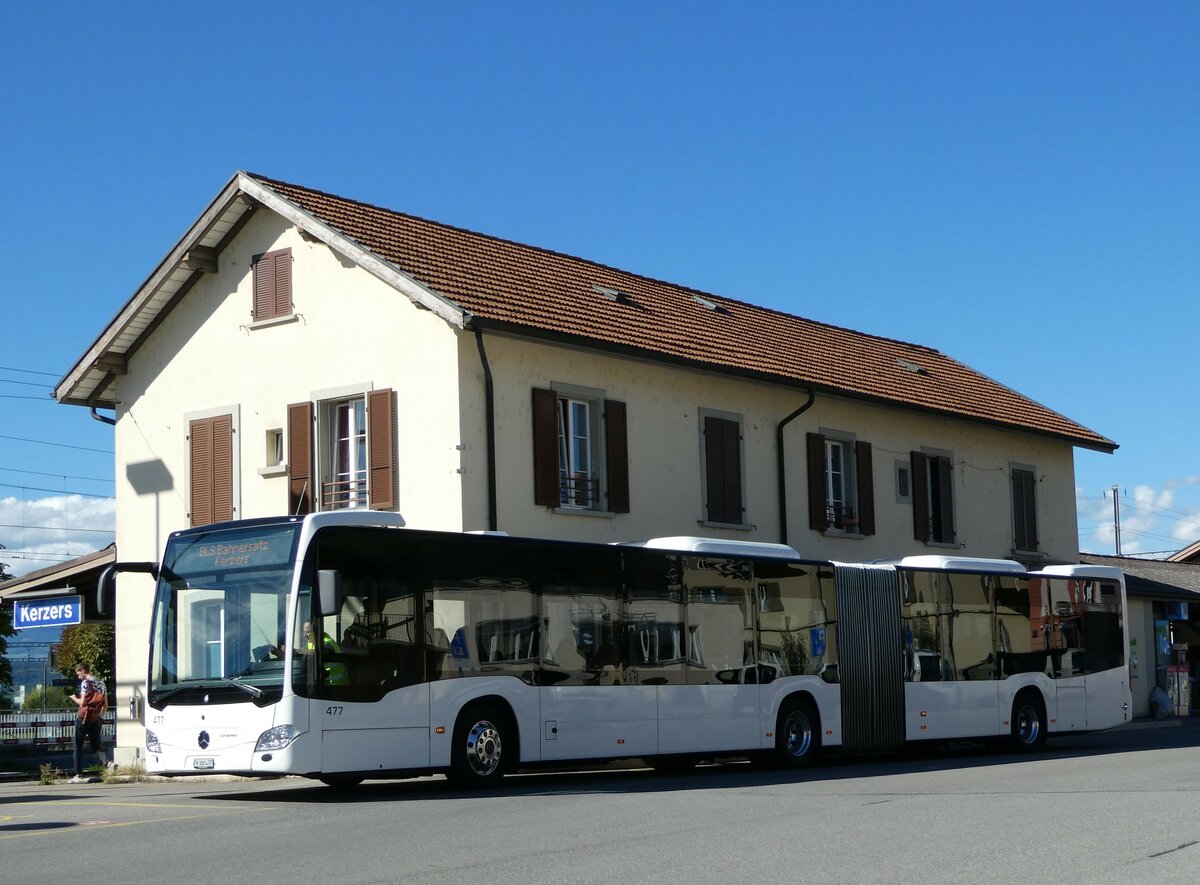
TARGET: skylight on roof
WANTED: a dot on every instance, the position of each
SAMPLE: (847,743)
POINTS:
(613,294)
(911,367)
(711,305)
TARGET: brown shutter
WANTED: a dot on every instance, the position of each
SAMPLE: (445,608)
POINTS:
(545,448)
(282,294)
(616,456)
(210,448)
(920,496)
(945,499)
(866,488)
(1024,485)
(381,449)
(272,278)
(723,470)
(222,468)
(200,451)
(300,458)
(818,518)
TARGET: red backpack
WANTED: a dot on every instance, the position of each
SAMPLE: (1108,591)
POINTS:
(95,703)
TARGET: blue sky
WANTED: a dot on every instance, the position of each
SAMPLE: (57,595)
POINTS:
(1014,184)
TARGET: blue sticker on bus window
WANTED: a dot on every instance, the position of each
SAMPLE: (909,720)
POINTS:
(458,645)
(817,637)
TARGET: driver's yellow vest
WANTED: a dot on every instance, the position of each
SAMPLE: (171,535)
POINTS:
(335,671)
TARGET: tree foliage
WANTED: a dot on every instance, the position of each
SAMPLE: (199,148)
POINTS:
(6,630)
(49,698)
(93,644)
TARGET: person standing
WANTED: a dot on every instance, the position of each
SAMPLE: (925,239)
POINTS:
(92,701)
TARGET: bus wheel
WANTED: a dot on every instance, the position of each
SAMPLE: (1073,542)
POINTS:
(477,757)
(798,736)
(1028,722)
(341,783)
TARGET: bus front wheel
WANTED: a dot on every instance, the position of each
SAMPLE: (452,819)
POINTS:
(477,758)
(1028,723)
(798,737)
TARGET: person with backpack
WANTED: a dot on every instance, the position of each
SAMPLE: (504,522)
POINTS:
(92,700)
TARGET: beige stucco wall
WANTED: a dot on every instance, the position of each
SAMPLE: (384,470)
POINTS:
(352,332)
(355,332)
(664,406)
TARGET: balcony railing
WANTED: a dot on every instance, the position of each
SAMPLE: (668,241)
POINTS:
(344,494)
(579,490)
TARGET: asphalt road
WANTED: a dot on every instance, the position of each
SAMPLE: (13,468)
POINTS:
(1121,806)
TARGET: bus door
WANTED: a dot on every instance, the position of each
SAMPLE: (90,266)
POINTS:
(870,658)
(363,653)
(595,702)
(1065,652)
(716,708)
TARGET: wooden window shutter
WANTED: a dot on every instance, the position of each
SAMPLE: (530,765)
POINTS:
(1024,485)
(545,448)
(272,278)
(920,496)
(945,499)
(200,451)
(210,443)
(222,468)
(300,458)
(865,478)
(723,470)
(381,449)
(818,517)
(616,455)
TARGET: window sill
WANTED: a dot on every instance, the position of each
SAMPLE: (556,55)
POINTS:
(837,533)
(1017,553)
(735,526)
(581,511)
(273,470)
(273,321)
(945,545)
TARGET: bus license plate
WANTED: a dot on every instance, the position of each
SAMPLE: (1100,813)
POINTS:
(204,763)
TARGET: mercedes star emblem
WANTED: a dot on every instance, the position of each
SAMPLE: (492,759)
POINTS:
(203,740)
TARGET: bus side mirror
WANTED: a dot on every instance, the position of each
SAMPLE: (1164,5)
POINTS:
(106,585)
(329,590)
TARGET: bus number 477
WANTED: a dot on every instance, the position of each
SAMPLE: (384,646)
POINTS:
(333,711)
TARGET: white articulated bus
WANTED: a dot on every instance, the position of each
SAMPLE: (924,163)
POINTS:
(342,646)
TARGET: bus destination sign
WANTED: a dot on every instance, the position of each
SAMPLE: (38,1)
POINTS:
(235,550)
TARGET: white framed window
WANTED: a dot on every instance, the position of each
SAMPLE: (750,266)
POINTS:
(344,479)
(933,496)
(580,459)
(903,482)
(840,483)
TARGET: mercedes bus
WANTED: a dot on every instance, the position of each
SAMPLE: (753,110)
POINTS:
(344,646)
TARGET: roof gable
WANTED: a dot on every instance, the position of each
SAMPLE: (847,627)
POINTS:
(475,279)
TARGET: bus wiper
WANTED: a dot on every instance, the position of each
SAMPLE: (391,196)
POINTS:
(253,690)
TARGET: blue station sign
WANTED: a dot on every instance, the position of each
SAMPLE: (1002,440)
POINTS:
(61,611)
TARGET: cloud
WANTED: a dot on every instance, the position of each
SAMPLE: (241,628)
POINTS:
(37,533)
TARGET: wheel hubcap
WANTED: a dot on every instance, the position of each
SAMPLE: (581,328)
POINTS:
(484,748)
(1028,725)
(799,734)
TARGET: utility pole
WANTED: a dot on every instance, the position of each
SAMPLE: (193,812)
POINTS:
(1117,519)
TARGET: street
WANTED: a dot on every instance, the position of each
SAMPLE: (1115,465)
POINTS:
(1118,806)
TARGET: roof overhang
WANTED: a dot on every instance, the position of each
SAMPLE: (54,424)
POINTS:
(92,380)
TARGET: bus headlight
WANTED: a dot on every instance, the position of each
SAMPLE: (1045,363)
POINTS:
(152,744)
(276,738)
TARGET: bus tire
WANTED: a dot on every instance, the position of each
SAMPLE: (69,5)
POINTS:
(1028,722)
(482,746)
(798,733)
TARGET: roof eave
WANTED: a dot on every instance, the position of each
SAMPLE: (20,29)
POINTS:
(89,381)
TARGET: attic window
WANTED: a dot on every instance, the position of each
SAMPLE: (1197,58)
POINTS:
(613,294)
(711,305)
(912,367)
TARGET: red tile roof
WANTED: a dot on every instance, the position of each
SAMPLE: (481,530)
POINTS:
(547,292)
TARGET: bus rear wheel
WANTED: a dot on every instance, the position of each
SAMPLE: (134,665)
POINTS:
(1028,723)
(798,736)
(478,756)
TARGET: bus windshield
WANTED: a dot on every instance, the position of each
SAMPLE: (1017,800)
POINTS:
(220,610)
